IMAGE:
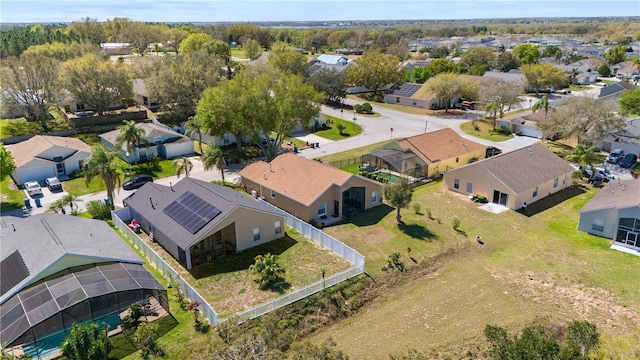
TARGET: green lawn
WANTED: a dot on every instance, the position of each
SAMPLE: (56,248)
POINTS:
(12,198)
(578,87)
(229,286)
(355,153)
(239,53)
(78,186)
(332,133)
(484,131)
(20,126)
(530,267)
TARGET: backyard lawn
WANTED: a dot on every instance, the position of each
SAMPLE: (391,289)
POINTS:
(229,286)
(534,266)
(332,133)
(484,130)
(12,198)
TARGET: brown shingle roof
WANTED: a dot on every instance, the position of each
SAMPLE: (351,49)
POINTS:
(150,130)
(616,194)
(439,145)
(484,81)
(526,168)
(295,177)
(25,151)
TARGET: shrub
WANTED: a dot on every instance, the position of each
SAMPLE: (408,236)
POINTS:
(456,224)
(99,210)
(393,262)
(366,108)
(429,214)
(476,127)
(341,127)
(416,208)
(357,108)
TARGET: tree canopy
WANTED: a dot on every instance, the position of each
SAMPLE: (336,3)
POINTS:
(86,342)
(96,82)
(7,165)
(506,95)
(616,54)
(630,101)
(527,53)
(103,164)
(476,56)
(195,42)
(399,195)
(289,61)
(505,62)
(449,85)
(329,82)
(374,71)
(441,66)
(541,76)
(252,48)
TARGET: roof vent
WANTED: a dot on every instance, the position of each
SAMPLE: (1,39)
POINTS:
(151,201)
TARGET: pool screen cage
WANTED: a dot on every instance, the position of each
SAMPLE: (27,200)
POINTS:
(80,294)
(407,164)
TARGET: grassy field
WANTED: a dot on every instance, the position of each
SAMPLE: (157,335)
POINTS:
(239,53)
(12,198)
(229,286)
(484,132)
(530,266)
(332,133)
(355,153)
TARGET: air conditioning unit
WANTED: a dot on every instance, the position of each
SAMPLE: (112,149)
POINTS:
(209,258)
(254,193)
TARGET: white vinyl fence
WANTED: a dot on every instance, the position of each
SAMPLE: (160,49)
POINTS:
(309,231)
(117,217)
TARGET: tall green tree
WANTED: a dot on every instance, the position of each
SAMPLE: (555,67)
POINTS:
(182,165)
(213,157)
(505,94)
(630,101)
(97,82)
(194,125)
(541,76)
(399,195)
(329,82)
(374,71)
(131,135)
(139,35)
(32,85)
(505,62)
(71,200)
(195,42)
(581,337)
(180,80)
(527,53)
(289,62)
(86,342)
(7,165)
(418,75)
(584,155)
(103,164)
(541,104)
(90,29)
(616,54)
(252,48)
(269,270)
(551,51)
(449,85)
(476,56)
(441,66)
(173,37)
(491,109)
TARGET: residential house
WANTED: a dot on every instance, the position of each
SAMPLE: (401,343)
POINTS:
(44,156)
(415,95)
(625,70)
(591,51)
(198,222)
(628,139)
(141,96)
(309,189)
(349,51)
(333,59)
(511,179)
(157,141)
(426,155)
(111,48)
(524,124)
(59,270)
(514,77)
(411,64)
(587,73)
(614,213)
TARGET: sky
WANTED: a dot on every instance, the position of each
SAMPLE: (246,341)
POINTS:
(50,11)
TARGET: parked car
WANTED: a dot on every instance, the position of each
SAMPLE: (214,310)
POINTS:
(604,173)
(53,184)
(137,181)
(615,156)
(492,150)
(628,160)
(33,188)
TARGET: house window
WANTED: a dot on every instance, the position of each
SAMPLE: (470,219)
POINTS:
(598,225)
(456,183)
(145,101)
(457,159)
(397,99)
(256,234)
(535,191)
(225,138)
(278,226)
(414,103)
(374,197)
(469,188)
(555,183)
(322,209)
(273,194)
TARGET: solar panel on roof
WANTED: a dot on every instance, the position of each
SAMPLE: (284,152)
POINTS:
(191,212)
(12,271)
(407,90)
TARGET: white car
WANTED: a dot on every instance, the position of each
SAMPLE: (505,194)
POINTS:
(33,188)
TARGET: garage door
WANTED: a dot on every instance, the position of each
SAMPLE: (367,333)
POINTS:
(39,173)
(528,131)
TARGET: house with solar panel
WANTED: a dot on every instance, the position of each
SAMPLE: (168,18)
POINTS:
(58,270)
(415,95)
(198,222)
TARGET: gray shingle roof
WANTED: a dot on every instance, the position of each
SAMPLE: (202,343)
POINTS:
(526,168)
(616,194)
(44,239)
(222,197)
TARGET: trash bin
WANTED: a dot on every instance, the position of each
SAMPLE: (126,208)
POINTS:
(27,203)
(37,200)
(317,144)
(295,149)
(106,200)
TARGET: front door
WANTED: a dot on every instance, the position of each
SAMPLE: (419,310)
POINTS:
(469,188)
(60,168)
(336,208)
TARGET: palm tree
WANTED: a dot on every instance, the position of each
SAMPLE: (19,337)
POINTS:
(70,199)
(131,135)
(268,268)
(103,163)
(491,109)
(584,155)
(182,165)
(56,206)
(193,124)
(86,342)
(213,157)
(573,74)
(543,103)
